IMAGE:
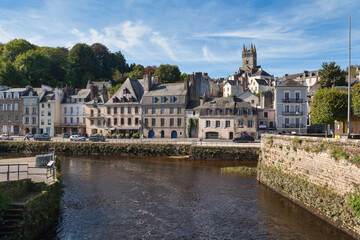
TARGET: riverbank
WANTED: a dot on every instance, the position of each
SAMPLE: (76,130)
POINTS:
(154,150)
(321,175)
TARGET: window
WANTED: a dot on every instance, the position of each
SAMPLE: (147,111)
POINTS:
(217,124)
(16,106)
(162,122)
(42,122)
(77,120)
(48,105)
(227,124)
(91,113)
(109,121)
(99,122)
(122,121)
(287,95)
(65,120)
(27,111)
(146,122)
(34,111)
(33,101)
(146,110)
(49,121)
(42,105)
(129,110)
(1,118)
(162,110)
(108,110)
(34,120)
(153,122)
(99,112)
(297,95)
(26,102)
(179,110)
(27,120)
(218,111)
(171,122)
(207,123)
(49,113)
(172,99)
(153,111)
(245,111)
(162,99)
(1,107)
(297,108)
(171,110)
(250,124)
(92,122)
(129,121)
(240,111)
(136,110)
(124,91)
(115,110)
(115,121)
(122,110)
(179,122)
(252,101)
(71,110)
(136,121)
(241,124)
(71,120)
(153,99)
(16,117)
(42,113)
(287,108)
(208,111)
(9,107)
(265,114)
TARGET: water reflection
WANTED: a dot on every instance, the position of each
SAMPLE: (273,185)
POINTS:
(155,199)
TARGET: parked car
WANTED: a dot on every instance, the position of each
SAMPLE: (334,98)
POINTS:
(6,137)
(77,138)
(96,138)
(243,139)
(66,135)
(29,135)
(85,135)
(42,137)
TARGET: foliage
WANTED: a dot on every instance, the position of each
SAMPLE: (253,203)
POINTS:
(193,124)
(355,100)
(331,75)
(150,70)
(328,106)
(9,75)
(354,201)
(16,47)
(168,73)
(115,88)
(241,170)
(183,76)
(136,135)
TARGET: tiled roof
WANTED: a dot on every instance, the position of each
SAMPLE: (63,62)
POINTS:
(170,89)
(291,83)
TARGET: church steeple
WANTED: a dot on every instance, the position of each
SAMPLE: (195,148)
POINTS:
(244,48)
(251,48)
(249,58)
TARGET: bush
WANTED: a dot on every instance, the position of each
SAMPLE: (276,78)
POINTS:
(354,201)
(113,135)
(136,135)
(127,135)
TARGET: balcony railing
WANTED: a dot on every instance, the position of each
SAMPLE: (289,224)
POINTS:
(293,100)
(293,126)
(296,113)
(95,115)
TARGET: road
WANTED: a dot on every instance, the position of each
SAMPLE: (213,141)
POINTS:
(191,141)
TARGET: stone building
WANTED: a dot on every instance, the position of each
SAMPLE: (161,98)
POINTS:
(30,119)
(73,111)
(11,110)
(163,108)
(232,88)
(291,108)
(95,111)
(123,110)
(226,118)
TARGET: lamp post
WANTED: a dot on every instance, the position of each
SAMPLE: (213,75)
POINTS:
(349,79)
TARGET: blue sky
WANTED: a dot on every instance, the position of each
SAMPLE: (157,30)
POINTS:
(207,36)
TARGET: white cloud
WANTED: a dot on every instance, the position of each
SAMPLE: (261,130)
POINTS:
(163,43)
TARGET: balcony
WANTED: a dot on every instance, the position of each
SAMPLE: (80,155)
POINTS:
(95,115)
(296,113)
(293,126)
(292,100)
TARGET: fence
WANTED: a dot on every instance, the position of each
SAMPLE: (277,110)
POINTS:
(12,170)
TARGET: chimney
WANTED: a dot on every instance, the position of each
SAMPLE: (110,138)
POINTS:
(94,91)
(186,84)
(147,83)
(104,94)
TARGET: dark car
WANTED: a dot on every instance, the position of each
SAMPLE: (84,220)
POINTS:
(42,137)
(66,135)
(244,139)
(85,135)
(96,138)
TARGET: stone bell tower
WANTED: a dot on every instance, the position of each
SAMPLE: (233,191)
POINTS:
(249,58)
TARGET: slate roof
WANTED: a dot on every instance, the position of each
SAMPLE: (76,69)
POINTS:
(48,96)
(170,89)
(223,102)
(193,105)
(302,75)
(291,83)
(246,95)
(83,93)
(262,82)
(100,85)
(135,89)
(260,73)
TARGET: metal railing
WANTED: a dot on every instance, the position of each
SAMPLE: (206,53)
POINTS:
(296,113)
(293,126)
(16,170)
(293,100)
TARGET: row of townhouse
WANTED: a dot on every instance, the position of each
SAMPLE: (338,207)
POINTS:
(152,109)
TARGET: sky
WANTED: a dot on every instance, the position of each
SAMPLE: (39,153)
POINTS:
(196,35)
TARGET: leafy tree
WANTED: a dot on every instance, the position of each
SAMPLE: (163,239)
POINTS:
(183,76)
(331,75)
(82,60)
(16,47)
(150,70)
(137,72)
(329,105)
(119,77)
(34,66)
(1,48)
(58,64)
(355,100)
(120,62)
(168,73)
(9,75)
(115,88)
(105,60)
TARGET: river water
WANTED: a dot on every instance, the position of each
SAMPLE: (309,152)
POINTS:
(116,198)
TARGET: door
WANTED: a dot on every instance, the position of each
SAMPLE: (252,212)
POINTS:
(231,135)
(162,134)
(174,134)
(212,135)
(151,134)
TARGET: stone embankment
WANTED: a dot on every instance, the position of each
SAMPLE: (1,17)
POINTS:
(321,175)
(155,150)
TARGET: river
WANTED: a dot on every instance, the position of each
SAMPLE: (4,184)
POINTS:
(113,198)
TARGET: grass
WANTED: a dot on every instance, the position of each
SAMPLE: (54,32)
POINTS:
(241,170)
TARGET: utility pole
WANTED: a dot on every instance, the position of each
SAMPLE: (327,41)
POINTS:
(349,79)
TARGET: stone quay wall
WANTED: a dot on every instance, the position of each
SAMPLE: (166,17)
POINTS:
(321,175)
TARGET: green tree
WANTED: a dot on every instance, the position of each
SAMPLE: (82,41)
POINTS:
(331,75)
(329,105)
(9,75)
(183,76)
(150,70)
(120,62)
(58,64)
(82,60)
(355,100)
(34,66)
(137,72)
(16,47)
(104,59)
(168,73)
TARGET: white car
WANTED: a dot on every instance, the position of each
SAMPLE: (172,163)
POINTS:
(77,138)
(6,137)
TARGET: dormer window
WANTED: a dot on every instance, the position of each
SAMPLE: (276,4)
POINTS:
(31,94)
(208,111)
(172,99)
(153,99)
(162,99)
(218,111)
(131,99)
(124,91)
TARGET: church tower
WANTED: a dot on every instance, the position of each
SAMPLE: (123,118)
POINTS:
(249,58)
